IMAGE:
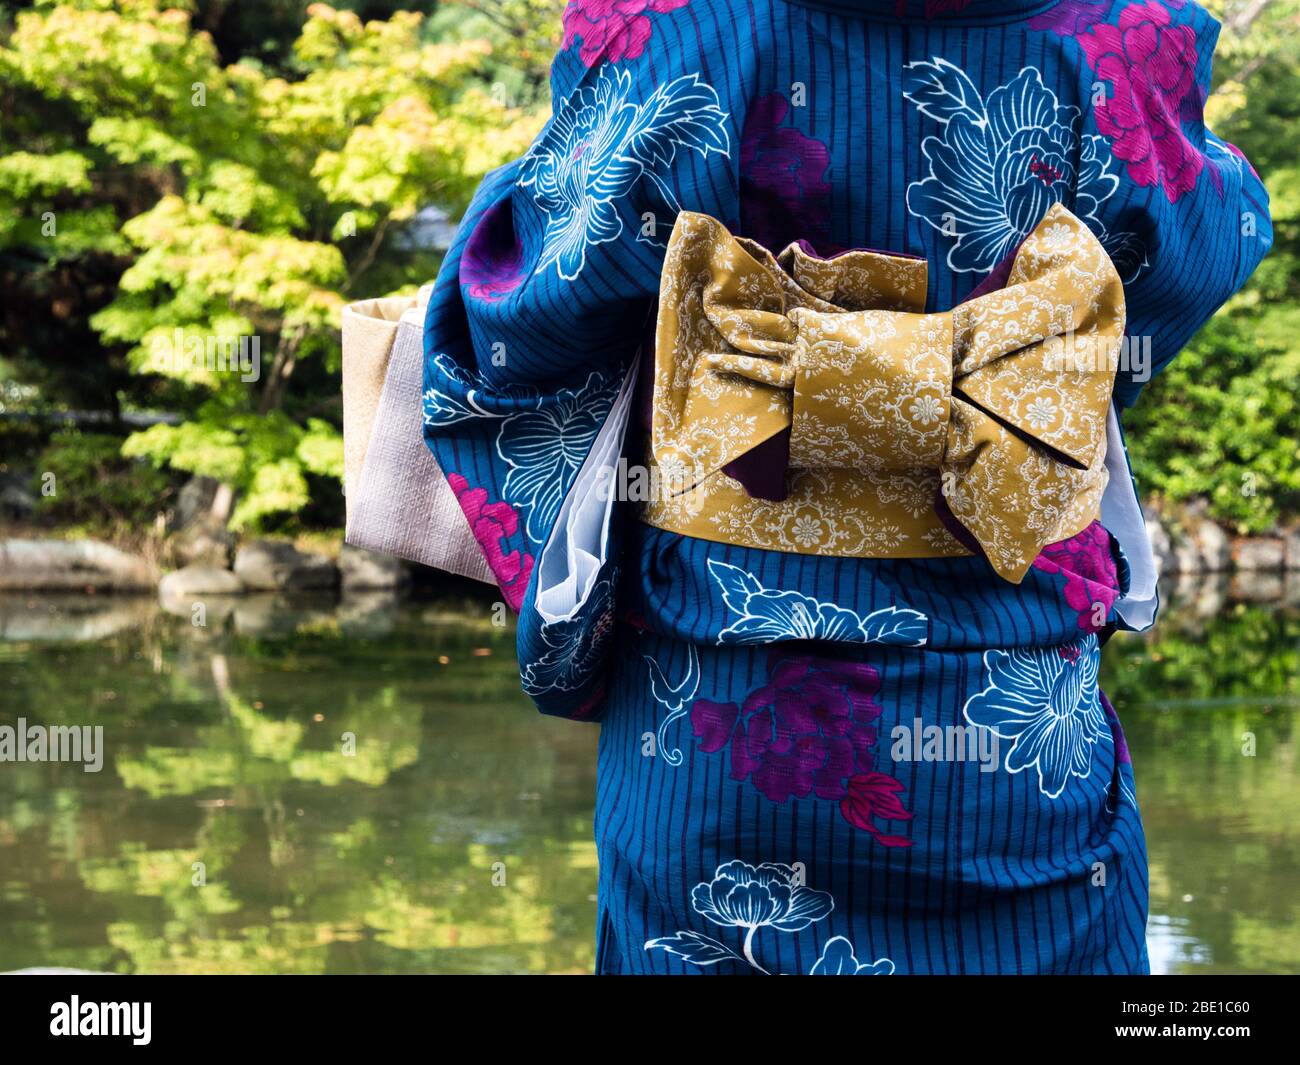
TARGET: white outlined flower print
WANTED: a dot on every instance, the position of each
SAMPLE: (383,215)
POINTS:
(770,895)
(1046,701)
(574,646)
(465,396)
(599,144)
(1000,163)
(545,447)
(768,615)
(838,959)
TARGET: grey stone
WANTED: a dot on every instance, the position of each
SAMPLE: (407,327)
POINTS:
(369,570)
(1161,548)
(1213,545)
(71,617)
(211,622)
(16,502)
(1291,588)
(1258,553)
(1211,595)
(194,502)
(199,581)
(1256,586)
(200,546)
(53,565)
(1291,538)
(274,565)
(369,613)
(1185,558)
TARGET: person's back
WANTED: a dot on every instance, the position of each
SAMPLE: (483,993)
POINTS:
(890,250)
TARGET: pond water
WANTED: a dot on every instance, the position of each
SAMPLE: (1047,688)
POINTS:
(227,830)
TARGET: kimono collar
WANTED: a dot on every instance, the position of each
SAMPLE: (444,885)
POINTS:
(957,11)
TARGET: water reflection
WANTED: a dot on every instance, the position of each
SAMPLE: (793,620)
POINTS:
(311,786)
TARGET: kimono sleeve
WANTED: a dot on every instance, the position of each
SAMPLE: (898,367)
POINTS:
(534,325)
(1188,221)
(544,297)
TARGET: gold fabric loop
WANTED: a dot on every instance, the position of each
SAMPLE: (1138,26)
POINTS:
(1000,403)
(885,410)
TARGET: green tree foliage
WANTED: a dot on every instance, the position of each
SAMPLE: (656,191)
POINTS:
(182,201)
(123,491)
(233,169)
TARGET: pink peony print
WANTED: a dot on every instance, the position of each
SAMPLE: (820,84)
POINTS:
(808,731)
(492,524)
(612,29)
(1151,67)
(1091,577)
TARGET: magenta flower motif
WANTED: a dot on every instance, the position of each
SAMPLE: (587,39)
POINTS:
(1151,67)
(492,524)
(808,731)
(875,795)
(783,187)
(1091,577)
(612,29)
(492,263)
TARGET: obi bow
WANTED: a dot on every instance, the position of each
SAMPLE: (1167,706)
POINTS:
(1005,396)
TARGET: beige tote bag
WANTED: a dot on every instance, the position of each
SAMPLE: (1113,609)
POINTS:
(398,501)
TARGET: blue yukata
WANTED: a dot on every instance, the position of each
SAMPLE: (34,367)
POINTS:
(867,759)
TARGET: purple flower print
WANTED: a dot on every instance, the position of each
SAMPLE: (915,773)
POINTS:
(808,731)
(492,263)
(1091,577)
(932,9)
(1151,67)
(937,8)
(1071,17)
(783,186)
(612,29)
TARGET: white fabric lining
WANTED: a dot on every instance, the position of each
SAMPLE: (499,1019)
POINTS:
(1121,513)
(577,549)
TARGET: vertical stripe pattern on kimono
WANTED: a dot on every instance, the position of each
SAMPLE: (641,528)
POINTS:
(752,378)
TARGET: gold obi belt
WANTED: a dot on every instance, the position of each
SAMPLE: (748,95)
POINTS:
(871,417)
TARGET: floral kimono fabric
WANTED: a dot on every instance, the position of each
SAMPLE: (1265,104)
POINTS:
(931,782)
(845,668)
